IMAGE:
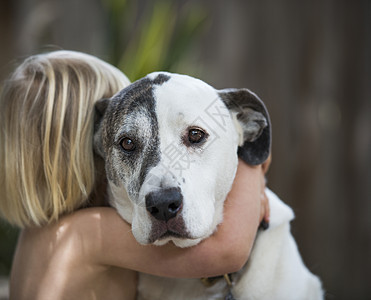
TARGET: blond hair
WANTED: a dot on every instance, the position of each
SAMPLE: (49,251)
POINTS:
(46,134)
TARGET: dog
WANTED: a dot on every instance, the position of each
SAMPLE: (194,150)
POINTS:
(171,144)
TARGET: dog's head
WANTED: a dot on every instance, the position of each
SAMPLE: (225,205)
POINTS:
(170,146)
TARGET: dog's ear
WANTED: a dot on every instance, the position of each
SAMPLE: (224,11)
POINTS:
(100,108)
(253,119)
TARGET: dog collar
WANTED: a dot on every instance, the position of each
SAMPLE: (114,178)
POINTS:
(210,281)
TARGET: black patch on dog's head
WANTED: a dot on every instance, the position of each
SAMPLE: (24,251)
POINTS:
(160,79)
(127,107)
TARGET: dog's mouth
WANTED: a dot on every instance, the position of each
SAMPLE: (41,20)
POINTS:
(173,228)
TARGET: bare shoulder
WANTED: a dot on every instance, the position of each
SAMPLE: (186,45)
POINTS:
(57,262)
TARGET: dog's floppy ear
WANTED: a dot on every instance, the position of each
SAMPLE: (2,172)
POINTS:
(100,108)
(254,123)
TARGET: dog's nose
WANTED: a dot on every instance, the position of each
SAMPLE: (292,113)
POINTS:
(164,204)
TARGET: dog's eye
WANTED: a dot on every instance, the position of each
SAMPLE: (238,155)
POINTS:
(127,144)
(196,136)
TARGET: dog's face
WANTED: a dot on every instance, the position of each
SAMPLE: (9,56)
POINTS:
(170,146)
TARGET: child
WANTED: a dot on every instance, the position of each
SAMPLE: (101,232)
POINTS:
(48,169)
(46,121)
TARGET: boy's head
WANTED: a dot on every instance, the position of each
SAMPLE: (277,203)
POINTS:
(46,121)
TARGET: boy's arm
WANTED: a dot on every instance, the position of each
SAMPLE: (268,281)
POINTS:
(108,240)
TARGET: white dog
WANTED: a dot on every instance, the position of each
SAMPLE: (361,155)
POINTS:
(170,145)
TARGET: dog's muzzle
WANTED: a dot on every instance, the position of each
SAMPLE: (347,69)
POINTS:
(164,206)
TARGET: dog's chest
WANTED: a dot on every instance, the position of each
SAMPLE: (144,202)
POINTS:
(159,288)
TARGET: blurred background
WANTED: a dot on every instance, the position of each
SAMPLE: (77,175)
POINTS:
(310,62)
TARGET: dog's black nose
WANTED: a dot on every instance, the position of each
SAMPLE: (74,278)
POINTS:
(164,204)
